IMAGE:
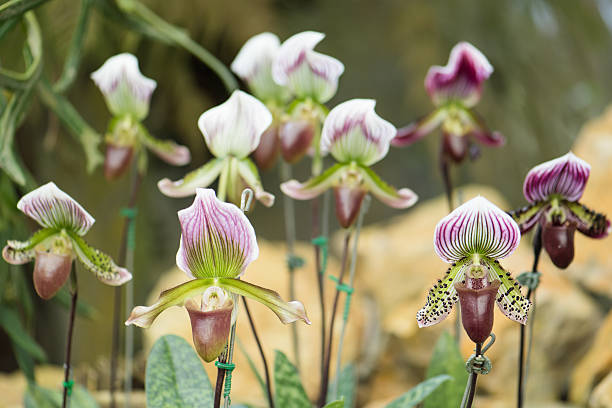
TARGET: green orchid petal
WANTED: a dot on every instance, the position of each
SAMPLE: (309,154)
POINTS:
(402,198)
(167,150)
(590,223)
(510,300)
(528,216)
(202,177)
(442,296)
(21,252)
(99,263)
(248,172)
(316,185)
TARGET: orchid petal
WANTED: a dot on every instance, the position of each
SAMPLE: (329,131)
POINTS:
(442,297)
(125,89)
(248,172)
(253,64)
(202,177)
(22,252)
(235,127)
(480,131)
(476,227)
(590,223)
(305,72)
(402,198)
(461,79)
(565,176)
(316,185)
(354,132)
(52,208)
(167,150)
(528,216)
(217,239)
(417,130)
(99,263)
(510,300)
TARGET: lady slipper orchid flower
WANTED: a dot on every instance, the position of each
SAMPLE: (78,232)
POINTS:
(357,138)
(454,90)
(553,189)
(231,131)
(64,223)
(472,238)
(127,93)
(217,244)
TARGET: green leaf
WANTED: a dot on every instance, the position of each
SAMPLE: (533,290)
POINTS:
(336,404)
(39,397)
(447,359)
(14,8)
(418,393)
(347,384)
(289,390)
(64,299)
(25,362)
(9,321)
(175,376)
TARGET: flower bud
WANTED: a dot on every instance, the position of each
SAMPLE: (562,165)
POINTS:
(348,203)
(295,138)
(558,241)
(117,160)
(267,151)
(51,271)
(477,298)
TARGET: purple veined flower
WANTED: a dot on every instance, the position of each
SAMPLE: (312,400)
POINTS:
(64,223)
(231,131)
(553,189)
(217,245)
(472,238)
(357,138)
(454,90)
(127,94)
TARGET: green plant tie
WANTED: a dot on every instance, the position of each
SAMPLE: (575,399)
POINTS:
(68,386)
(228,367)
(321,242)
(343,287)
(479,363)
(225,366)
(529,279)
(294,261)
(130,213)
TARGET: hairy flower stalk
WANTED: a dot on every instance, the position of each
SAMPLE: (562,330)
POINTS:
(127,94)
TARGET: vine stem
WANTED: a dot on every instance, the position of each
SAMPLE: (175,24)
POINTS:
(325,376)
(522,374)
(73,304)
(470,388)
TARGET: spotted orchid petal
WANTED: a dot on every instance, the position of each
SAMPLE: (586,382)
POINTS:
(234,128)
(354,132)
(249,174)
(199,178)
(167,150)
(307,73)
(22,252)
(253,64)
(477,227)
(316,185)
(461,79)
(125,89)
(510,300)
(402,198)
(417,130)
(590,223)
(99,263)
(565,176)
(528,216)
(217,239)
(52,208)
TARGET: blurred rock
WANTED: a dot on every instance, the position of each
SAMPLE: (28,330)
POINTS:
(602,394)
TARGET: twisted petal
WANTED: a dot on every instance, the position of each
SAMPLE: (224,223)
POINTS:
(52,208)
(248,172)
(354,132)
(217,239)
(461,79)
(510,300)
(442,296)
(235,127)
(167,150)
(590,223)
(480,131)
(402,198)
(253,64)
(125,89)
(565,176)
(99,263)
(202,177)
(306,72)
(528,216)
(417,130)
(21,252)
(476,227)
(316,185)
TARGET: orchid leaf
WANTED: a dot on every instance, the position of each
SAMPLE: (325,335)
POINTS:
(10,323)
(446,359)
(419,393)
(335,404)
(39,397)
(14,8)
(289,389)
(175,376)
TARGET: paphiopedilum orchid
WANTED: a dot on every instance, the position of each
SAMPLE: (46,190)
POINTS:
(217,244)
(553,189)
(127,93)
(357,138)
(231,131)
(472,238)
(454,90)
(53,248)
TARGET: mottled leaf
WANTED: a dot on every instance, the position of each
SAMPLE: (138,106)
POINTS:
(289,390)
(336,404)
(418,393)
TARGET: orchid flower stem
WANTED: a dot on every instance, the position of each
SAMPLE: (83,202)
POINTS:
(365,205)
(126,252)
(261,352)
(67,381)
(319,272)
(524,364)
(220,377)
(470,388)
(325,377)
